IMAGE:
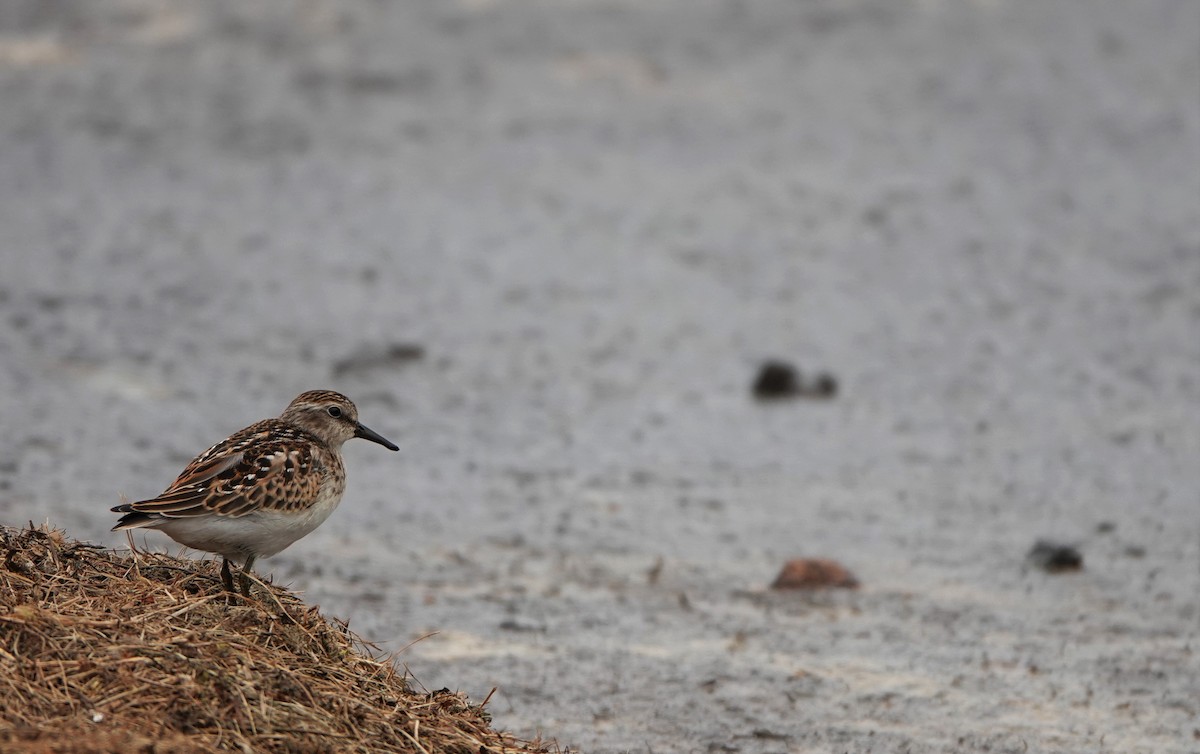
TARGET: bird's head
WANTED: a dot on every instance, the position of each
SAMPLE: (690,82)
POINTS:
(330,416)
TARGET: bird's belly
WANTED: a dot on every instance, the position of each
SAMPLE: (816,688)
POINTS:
(262,533)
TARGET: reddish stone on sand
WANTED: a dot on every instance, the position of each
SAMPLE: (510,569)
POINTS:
(814,573)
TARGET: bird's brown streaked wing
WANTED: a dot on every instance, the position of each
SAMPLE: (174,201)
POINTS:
(248,476)
(224,454)
(204,468)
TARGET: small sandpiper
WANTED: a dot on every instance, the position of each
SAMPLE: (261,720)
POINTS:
(259,490)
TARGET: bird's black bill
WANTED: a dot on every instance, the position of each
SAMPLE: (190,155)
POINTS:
(373,436)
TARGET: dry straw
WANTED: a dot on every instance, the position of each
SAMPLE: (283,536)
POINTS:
(102,652)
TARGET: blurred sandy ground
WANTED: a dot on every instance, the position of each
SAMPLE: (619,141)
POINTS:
(596,219)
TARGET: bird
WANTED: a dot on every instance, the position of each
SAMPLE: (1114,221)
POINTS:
(262,488)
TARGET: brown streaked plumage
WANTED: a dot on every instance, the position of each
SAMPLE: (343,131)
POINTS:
(262,488)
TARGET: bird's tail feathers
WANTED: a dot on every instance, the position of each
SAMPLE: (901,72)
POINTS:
(134,519)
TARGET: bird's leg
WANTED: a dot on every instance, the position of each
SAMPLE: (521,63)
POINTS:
(245,575)
(226,576)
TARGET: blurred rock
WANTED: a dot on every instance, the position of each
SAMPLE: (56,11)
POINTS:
(366,359)
(814,573)
(825,386)
(776,379)
(1054,557)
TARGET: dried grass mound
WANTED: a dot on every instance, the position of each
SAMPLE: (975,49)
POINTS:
(101,652)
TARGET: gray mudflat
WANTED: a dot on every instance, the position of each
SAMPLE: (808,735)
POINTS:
(597,219)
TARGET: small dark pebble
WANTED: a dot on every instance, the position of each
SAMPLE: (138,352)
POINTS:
(1054,557)
(776,379)
(1135,551)
(1106,527)
(391,357)
(512,625)
(825,386)
(769,735)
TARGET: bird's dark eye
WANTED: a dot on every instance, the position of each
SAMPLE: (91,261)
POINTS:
(335,412)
